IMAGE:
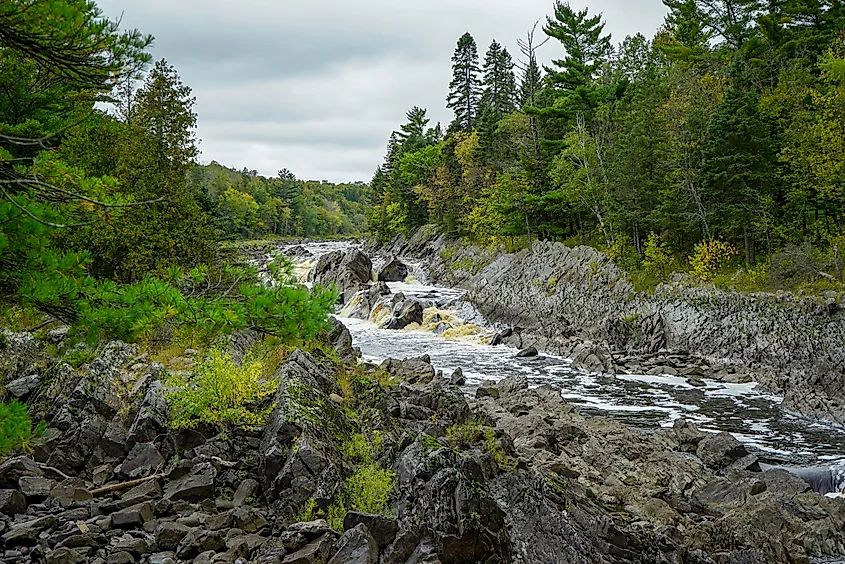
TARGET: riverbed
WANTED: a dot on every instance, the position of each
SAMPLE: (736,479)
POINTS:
(646,402)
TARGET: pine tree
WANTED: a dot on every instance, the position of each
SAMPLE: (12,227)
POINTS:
(499,81)
(685,23)
(530,82)
(465,88)
(412,135)
(738,160)
(732,20)
(586,47)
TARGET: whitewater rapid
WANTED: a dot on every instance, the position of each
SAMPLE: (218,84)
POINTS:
(646,402)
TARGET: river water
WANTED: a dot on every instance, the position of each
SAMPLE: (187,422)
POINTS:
(645,402)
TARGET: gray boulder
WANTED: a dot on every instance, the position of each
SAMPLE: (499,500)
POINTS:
(356,546)
(528,353)
(368,299)
(22,387)
(143,460)
(382,529)
(316,552)
(193,487)
(394,271)
(348,271)
(411,370)
(720,451)
(12,502)
(405,313)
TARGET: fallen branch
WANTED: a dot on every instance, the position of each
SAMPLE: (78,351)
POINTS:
(54,470)
(125,485)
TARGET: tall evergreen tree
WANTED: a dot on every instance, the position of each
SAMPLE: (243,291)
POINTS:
(530,82)
(586,47)
(731,20)
(684,21)
(738,160)
(499,81)
(412,135)
(465,88)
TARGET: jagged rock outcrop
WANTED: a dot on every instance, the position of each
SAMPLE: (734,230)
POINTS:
(393,271)
(367,299)
(350,271)
(794,346)
(405,313)
(516,474)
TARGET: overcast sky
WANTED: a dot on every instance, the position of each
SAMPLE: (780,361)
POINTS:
(317,86)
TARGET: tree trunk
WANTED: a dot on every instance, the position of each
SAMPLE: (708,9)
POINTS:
(837,262)
(747,247)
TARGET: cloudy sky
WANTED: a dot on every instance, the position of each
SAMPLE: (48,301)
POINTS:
(317,86)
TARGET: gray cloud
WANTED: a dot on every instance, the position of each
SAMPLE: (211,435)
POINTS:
(317,86)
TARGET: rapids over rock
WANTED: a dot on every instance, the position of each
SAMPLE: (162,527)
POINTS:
(454,335)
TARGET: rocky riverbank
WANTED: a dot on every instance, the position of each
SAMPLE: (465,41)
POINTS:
(512,475)
(359,463)
(556,298)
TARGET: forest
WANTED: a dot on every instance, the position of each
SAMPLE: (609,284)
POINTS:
(107,223)
(717,144)
(244,204)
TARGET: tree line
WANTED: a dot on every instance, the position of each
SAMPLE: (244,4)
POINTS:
(244,204)
(721,138)
(106,223)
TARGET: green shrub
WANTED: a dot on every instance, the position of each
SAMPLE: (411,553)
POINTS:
(307,512)
(16,432)
(220,392)
(658,261)
(464,435)
(494,447)
(78,357)
(367,491)
(360,448)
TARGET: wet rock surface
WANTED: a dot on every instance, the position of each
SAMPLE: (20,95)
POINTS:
(514,474)
(350,271)
(555,298)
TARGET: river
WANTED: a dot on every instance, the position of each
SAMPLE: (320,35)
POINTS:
(645,402)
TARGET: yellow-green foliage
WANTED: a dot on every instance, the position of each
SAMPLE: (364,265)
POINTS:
(367,491)
(220,392)
(362,449)
(658,260)
(80,356)
(16,432)
(307,512)
(494,447)
(709,257)
(19,318)
(464,435)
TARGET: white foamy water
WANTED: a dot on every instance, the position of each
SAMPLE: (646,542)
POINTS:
(648,402)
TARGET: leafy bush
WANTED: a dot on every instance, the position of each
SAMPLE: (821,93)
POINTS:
(658,261)
(623,253)
(464,435)
(494,447)
(710,256)
(220,392)
(360,448)
(367,491)
(16,432)
(78,357)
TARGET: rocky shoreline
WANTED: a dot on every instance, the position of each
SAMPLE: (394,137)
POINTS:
(560,300)
(511,474)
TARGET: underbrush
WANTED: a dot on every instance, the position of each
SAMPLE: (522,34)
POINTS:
(16,431)
(467,435)
(220,392)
